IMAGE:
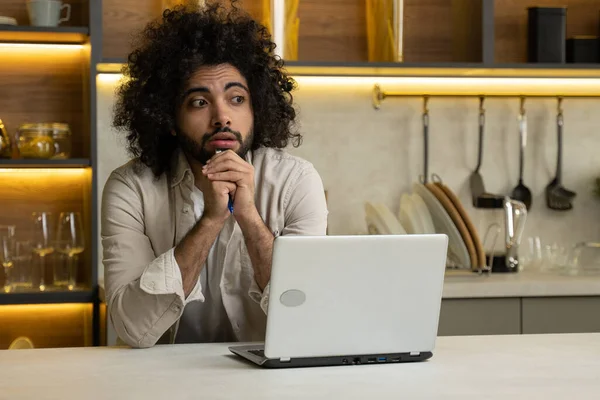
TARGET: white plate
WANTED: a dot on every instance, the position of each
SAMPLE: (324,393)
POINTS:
(409,217)
(381,221)
(7,20)
(444,224)
(421,210)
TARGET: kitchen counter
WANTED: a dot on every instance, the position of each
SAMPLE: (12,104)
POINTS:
(473,367)
(465,285)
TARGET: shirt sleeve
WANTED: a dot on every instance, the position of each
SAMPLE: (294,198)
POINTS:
(305,214)
(144,293)
(306,208)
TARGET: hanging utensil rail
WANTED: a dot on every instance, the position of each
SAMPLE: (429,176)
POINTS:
(379,95)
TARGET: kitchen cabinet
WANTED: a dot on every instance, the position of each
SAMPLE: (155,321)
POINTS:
(527,315)
(480,317)
(561,314)
(47,325)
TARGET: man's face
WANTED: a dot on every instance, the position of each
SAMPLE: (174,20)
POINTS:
(216,113)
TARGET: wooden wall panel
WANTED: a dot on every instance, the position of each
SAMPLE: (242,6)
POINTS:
(44,85)
(47,326)
(428,31)
(27,191)
(120,20)
(467,31)
(18,9)
(583,18)
(442,31)
(124,19)
(333,30)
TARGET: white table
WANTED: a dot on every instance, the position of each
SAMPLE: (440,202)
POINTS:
(483,367)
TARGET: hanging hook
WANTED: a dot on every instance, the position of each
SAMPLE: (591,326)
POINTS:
(559,105)
(522,108)
(481,100)
(425,102)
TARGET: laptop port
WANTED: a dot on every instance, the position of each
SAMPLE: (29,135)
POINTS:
(381,359)
(371,360)
(345,361)
(356,361)
(395,359)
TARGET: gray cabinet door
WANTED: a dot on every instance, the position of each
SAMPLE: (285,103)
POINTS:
(480,317)
(561,314)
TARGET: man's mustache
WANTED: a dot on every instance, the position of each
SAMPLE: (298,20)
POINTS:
(208,136)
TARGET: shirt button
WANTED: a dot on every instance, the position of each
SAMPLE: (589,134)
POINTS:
(176,308)
(186,209)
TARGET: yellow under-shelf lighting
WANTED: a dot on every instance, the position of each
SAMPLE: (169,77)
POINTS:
(57,309)
(44,173)
(445,82)
(109,78)
(33,46)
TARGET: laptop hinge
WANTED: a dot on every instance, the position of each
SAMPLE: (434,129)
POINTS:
(284,359)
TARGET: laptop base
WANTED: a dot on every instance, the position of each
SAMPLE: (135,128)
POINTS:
(253,354)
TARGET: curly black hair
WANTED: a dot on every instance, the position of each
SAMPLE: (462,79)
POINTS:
(168,51)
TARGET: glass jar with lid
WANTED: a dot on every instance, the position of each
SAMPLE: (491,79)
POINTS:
(61,133)
(5,145)
(44,140)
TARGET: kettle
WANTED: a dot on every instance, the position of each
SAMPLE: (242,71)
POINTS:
(5,145)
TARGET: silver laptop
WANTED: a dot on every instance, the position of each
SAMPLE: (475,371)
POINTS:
(346,300)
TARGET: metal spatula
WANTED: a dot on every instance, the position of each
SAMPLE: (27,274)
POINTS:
(481,199)
(558,197)
(522,192)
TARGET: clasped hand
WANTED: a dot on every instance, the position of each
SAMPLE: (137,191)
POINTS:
(227,174)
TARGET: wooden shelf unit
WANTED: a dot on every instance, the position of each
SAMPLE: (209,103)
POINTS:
(47,76)
(50,297)
(34,163)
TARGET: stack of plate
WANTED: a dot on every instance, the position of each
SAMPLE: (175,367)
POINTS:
(7,20)
(431,208)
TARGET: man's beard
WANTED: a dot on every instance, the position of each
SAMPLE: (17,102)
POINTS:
(198,150)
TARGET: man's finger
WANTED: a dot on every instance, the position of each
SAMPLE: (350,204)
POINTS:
(226,165)
(226,154)
(228,176)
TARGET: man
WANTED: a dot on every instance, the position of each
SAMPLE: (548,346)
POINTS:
(188,225)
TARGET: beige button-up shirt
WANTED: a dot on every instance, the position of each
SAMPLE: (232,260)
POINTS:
(142,220)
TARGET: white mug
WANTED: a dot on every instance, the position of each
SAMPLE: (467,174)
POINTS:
(47,12)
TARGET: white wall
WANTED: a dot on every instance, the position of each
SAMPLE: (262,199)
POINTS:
(374,155)
(111,148)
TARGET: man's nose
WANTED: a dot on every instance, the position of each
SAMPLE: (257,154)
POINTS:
(220,117)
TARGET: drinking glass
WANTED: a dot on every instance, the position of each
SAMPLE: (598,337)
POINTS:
(43,244)
(22,271)
(69,243)
(7,253)
(7,230)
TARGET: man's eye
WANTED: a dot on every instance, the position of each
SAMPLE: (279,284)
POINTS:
(238,99)
(199,103)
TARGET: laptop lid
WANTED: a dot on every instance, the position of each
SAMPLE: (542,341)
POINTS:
(363,294)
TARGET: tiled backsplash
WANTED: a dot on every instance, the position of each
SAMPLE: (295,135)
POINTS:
(365,154)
